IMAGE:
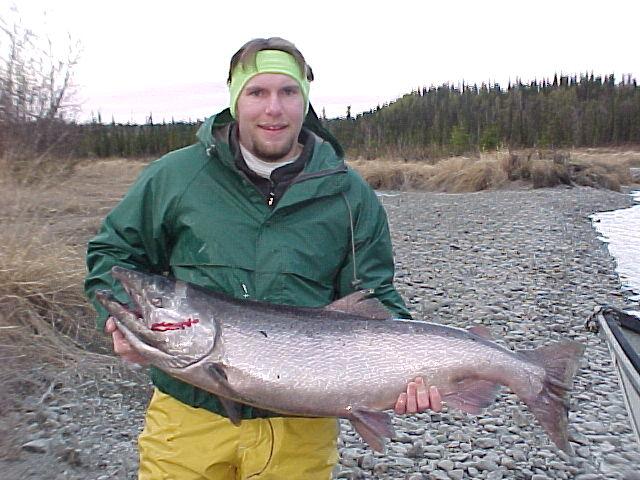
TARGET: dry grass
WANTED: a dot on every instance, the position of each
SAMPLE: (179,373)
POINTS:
(45,320)
(600,168)
(394,175)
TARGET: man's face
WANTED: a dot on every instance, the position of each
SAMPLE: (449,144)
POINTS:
(270,112)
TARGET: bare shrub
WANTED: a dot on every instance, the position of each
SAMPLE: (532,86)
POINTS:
(467,175)
(480,175)
(381,175)
(598,168)
(393,175)
(548,173)
(417,175)
(517,166)
(595,176)
(36,99)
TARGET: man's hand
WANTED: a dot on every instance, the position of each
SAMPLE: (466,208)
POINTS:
(418,398)
(121,346)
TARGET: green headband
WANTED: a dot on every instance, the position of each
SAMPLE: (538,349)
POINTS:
(267,61)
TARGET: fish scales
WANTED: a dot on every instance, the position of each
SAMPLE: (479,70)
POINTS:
(343,359)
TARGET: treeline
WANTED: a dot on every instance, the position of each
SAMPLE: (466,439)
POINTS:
(431,122)
(564,112)
(426,123)
(128,140)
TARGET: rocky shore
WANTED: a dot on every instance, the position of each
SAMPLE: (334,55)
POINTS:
(527,264)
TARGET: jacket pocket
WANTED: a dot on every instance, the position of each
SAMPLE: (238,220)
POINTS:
(228,279)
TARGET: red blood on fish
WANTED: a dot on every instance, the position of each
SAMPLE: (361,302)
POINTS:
(166,326)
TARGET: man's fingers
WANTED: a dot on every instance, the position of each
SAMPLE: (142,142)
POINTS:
(422,395)
(120,344)
(412,403)
(110,326)
(401,404)
(436,400)
(124,349)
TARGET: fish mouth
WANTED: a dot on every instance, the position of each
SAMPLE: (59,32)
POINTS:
(148,341)
(162,339)
(108,300)
(132,283)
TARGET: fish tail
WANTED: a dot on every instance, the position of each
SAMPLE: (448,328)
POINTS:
(551,404)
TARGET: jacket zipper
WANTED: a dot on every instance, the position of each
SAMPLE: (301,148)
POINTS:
(300,178)
(272,195)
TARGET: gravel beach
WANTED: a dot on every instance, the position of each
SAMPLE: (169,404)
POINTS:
(525,263)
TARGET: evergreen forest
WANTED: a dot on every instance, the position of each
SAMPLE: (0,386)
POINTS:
(565,112)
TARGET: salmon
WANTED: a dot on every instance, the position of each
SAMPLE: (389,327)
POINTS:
(348,360)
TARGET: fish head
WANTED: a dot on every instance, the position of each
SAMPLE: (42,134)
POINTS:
(167,321)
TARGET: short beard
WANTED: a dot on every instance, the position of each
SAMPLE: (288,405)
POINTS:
(273,156)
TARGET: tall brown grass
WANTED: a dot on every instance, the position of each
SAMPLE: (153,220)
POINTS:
(504,169)
(41,298)
(44,228)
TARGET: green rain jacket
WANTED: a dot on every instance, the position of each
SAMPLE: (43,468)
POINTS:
(193,215)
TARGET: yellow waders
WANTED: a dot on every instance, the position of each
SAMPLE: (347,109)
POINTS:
(180,442)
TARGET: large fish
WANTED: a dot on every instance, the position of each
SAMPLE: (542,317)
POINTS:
(346,360)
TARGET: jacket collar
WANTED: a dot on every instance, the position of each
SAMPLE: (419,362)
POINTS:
(322,175)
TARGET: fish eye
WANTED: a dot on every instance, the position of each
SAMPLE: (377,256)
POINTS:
(156,302)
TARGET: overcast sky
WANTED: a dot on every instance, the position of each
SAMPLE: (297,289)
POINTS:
(172,58)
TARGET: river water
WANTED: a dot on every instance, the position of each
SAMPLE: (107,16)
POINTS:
(620,229)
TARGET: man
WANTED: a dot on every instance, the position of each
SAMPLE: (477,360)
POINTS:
(262,207)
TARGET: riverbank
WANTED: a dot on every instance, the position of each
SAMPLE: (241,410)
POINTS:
(525,263)
(529,266)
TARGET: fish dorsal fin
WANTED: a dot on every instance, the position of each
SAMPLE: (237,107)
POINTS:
(361,303)
(481,331)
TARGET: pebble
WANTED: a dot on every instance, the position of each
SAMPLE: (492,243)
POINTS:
(415,476)
(508,462)
(495,475)
(438,475)
(368,462)
(40,445)
(403,462)
(446,465)
(615,459)
(487,465)
(597,427)
(457,474)
(486,443)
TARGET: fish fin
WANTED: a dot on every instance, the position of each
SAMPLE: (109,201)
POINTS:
(233,410)
(481,331)
(551,405)
(361,303)
(225,393)
(372,426)
(471,395)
